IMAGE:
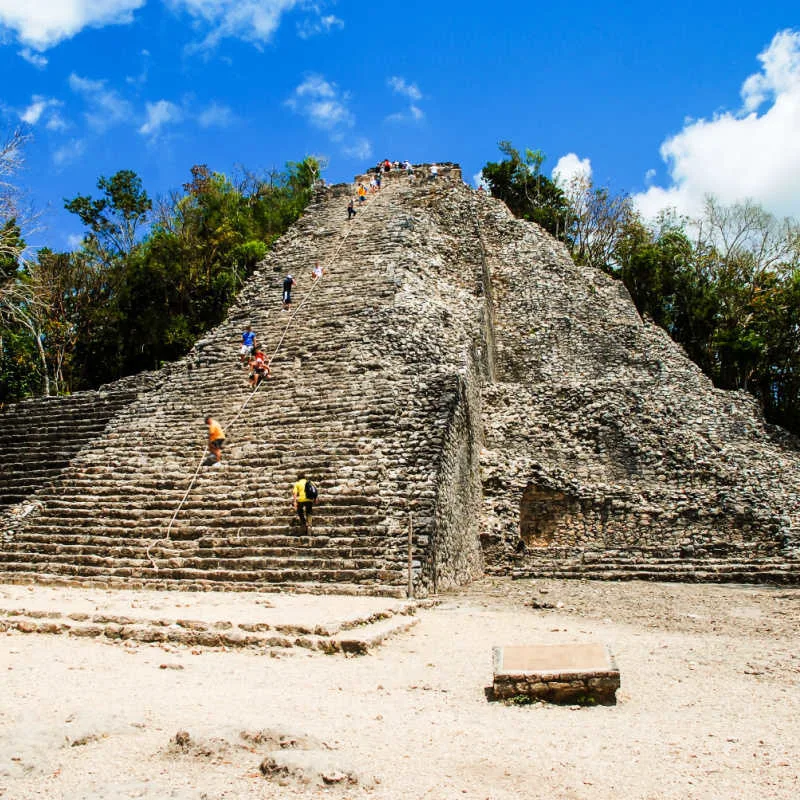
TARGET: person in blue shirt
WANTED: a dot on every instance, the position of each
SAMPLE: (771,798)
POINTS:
(248,345)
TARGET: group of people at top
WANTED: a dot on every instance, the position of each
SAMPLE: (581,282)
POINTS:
(395,166)
(376,180)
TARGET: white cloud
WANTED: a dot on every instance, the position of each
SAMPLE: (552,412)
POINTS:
(74,240)
(252,20)
(106,107)
(41,24)
(326,106)
(215,116)
(313,27)
(55,122)
(38,107)
(409,90)
(570,167)
(479,180)
(360,148)
(159,114)
(37,59)
(69,152)
(751,153)
(322,104)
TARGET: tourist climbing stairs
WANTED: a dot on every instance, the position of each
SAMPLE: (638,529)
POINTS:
(134,505)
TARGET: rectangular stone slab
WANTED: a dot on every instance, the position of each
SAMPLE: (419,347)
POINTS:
(554,658)
(583,673)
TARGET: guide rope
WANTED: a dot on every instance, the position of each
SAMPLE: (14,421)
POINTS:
(326,266)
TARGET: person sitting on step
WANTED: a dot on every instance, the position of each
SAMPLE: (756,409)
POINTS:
(351,211)
(259,368)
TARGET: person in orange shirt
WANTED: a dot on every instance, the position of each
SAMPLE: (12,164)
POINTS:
(216,438)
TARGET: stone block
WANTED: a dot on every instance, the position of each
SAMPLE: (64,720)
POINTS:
(573,673)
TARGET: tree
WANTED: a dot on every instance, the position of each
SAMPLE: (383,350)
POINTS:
(21,349)
(518,181)
(594,221)
(113,220)
(11,213)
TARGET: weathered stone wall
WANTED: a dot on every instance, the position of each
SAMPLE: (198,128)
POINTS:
(456,364)
(604,440)
(39,436)
(456,557)
(364,398)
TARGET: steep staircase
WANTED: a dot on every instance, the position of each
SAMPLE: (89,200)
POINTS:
(39,437)
(342,406)
(460,391)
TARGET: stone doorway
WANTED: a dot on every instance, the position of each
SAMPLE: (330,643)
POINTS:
(540,514)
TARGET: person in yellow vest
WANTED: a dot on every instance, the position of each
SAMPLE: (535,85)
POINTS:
(304,493)
(216,438)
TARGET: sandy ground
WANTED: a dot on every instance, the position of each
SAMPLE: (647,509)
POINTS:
(709,706)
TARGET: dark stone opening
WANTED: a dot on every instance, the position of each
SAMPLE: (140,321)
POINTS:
(541,510)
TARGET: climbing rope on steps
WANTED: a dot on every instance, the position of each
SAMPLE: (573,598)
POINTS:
(228,425)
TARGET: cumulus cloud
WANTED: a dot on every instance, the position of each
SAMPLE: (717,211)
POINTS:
(159,115)
(570,168)
(41,24)
(411,92)
(69,152)
(215,116)
(55,122)
(252,20)
(360,148)
(322,103)
(39,107)
(106,107)
(327,107)
(399,86)
(37,59)
(749,153)
(478,179)
(316,26)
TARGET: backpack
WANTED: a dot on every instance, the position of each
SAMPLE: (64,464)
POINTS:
(311,491)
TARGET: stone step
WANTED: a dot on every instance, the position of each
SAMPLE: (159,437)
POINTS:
(168,572)
(21,577)
(699,572)
(358,637)
(208,561)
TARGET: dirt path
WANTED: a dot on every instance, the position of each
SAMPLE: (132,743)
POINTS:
(709,707)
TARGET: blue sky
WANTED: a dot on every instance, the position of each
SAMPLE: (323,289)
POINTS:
(665,102)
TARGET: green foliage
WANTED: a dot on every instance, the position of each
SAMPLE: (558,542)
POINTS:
(518,181)
(125,302)
(114,219)
(730,297)
(11,245)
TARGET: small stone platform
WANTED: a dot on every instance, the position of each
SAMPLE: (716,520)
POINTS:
(558,673)
(261,621)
